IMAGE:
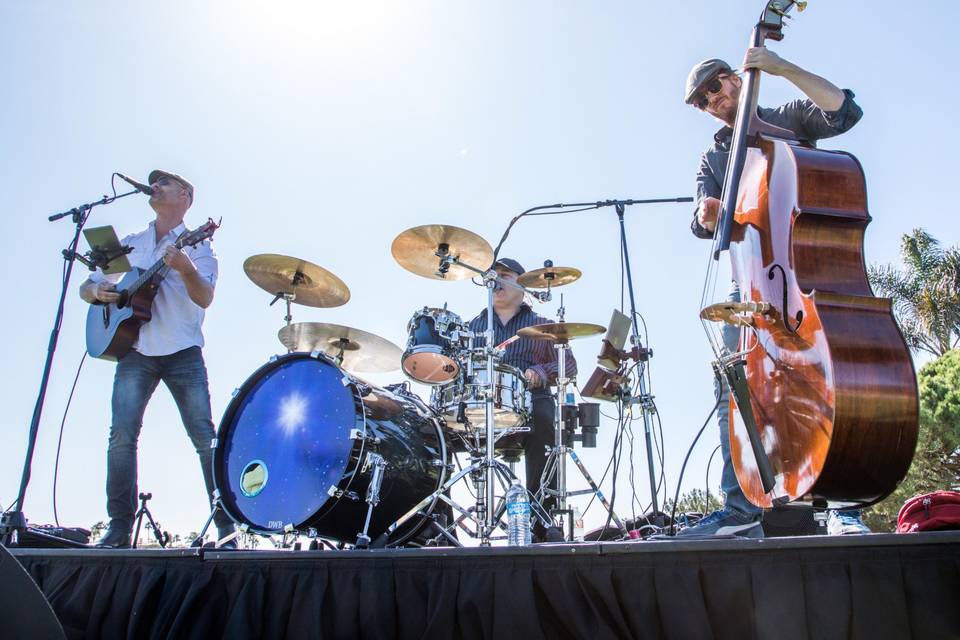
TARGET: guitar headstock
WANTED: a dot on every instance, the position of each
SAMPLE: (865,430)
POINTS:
(198,235)
(772,19)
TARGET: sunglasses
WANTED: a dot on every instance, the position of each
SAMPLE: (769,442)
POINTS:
(710,88)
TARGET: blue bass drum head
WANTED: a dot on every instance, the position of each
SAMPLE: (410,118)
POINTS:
(284,442)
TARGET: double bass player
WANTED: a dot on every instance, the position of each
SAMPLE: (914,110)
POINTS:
(713,87)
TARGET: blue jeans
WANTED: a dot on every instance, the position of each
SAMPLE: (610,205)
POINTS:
(735,499)
(136,378)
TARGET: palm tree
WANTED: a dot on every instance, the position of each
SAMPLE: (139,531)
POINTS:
(926,294)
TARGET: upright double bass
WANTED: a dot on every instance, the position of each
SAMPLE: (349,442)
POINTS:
(824,401)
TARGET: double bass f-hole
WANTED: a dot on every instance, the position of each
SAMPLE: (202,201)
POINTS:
(786,304)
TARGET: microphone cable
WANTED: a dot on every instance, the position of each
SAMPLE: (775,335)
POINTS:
(63,421)
(686,458)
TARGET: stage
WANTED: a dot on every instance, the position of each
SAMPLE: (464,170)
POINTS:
(875,586)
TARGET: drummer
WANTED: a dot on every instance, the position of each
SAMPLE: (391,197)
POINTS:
(538,361)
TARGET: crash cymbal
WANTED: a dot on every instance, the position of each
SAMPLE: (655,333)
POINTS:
(549,277)
(363,352)
(561,331)
(415,250)
(313,286)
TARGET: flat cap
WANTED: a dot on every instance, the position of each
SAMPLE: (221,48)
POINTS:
(700,73)
(156,174)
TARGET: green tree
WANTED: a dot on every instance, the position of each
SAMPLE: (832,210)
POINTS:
(695,501)
(936,462)
(926,293)
(97,529)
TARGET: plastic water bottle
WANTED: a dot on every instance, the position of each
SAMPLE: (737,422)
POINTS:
(518,516)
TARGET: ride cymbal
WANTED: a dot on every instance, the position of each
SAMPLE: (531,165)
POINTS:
(363,352)
(561,331)
(311,285)
(415,250)
(549,277)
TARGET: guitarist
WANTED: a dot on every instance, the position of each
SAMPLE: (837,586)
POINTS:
(168,348)
(714,88)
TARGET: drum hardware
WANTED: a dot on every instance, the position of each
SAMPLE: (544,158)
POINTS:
(443,252)
(566,417)
(355,350)
(434,346)
(300,423)
(549,276)
(376,461)
(309,284)
(288,298)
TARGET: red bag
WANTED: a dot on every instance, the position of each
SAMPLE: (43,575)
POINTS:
(929,511)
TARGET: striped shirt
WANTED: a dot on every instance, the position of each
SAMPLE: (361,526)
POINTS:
(525,353)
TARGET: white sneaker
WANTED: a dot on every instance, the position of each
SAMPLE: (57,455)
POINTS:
(843,523)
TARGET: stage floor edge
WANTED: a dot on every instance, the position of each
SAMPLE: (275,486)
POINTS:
(863,586)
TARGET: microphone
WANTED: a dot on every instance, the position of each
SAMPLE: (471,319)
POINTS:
(139,186)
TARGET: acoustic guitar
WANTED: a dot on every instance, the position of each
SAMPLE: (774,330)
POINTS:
(112,329)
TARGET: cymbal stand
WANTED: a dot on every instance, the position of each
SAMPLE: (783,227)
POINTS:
(557,459)
(486,512)
(288,297)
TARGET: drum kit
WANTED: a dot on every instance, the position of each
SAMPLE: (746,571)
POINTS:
(307,447)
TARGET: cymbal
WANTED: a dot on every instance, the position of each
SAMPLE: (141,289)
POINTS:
(561,331)
(415,250)
(363,352)
(549,277)
(313,286)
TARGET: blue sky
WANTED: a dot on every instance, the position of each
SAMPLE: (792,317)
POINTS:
(322,130)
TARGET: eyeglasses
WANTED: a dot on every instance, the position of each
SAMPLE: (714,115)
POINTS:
(710,88)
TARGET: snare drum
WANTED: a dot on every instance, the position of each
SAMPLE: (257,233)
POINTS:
(462,403)
(433,350)
(297,448)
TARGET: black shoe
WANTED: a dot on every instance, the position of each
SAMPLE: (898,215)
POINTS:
(115,538)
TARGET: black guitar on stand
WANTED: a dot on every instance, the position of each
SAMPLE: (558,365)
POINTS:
(112,329)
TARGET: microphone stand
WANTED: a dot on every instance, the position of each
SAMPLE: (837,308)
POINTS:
(13,523)
(644,398)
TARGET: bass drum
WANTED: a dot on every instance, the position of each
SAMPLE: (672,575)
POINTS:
(296,443)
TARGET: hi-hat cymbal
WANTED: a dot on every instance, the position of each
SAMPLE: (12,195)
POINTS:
(549,277)
(415,250)
(561,331)
(311,285)
(363,352)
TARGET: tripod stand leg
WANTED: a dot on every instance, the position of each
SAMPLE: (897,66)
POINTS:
(596,491)
(161,539)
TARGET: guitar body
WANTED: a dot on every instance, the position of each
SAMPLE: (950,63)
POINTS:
(112,329)
(831,381)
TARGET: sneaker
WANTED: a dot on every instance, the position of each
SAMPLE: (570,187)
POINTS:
(843,523)
(726,522)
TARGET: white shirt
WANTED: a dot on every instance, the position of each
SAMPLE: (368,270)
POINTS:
(177,320)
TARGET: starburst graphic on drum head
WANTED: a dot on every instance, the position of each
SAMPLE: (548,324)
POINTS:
(293,412)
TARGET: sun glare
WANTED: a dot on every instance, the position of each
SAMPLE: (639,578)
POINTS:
(293,412)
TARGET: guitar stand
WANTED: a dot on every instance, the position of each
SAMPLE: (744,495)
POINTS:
(162,537)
